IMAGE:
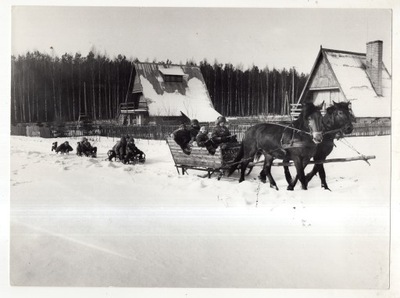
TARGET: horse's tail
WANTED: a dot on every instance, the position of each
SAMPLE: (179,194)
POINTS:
(237,159)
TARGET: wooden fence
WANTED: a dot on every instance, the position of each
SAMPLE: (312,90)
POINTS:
(161,132)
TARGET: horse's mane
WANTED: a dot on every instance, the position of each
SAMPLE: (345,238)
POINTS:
(306,110)
(338,106)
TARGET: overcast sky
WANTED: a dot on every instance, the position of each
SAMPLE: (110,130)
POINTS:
(280,38)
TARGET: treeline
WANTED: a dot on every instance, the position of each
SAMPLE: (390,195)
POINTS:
(46,88)
(238,92)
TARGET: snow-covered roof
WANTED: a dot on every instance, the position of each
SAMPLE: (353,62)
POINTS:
(193,103)
(350,71)
(189,97)
(171,70)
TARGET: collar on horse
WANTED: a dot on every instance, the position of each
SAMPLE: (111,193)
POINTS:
(292,143)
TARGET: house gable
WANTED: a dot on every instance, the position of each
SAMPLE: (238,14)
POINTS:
(322,85)
(342,76)
(323,77)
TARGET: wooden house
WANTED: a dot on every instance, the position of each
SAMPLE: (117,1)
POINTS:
(359,78)
(167,94)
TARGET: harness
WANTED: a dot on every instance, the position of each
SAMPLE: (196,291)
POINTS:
(292,143)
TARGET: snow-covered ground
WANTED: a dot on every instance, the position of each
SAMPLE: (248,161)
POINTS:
(78,221)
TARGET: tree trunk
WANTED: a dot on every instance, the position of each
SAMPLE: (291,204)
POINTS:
(29,99)
(73,92)
(274,95)
(93,94)
(110,113)
(267,92)
(14,95)
(84,96)
(79,90)
(46,117)
(99,88)
(54,92)
(59,98)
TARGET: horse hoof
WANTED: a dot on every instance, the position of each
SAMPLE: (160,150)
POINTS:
(290,188)
(262,179)
(274,187)
(241,180)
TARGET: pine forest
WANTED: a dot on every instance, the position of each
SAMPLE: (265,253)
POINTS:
(48,88)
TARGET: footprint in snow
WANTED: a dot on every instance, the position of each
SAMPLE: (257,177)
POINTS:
(34,153)
(20,182)
(94,162)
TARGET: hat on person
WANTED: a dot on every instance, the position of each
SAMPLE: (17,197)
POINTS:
(195,123)
(220,119)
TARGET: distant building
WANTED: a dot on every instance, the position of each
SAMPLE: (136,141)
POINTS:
(165,93)
(359,78)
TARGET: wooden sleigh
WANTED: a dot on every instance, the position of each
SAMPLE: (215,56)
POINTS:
(200,159)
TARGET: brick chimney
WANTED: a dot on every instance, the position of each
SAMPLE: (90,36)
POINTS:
(375,65)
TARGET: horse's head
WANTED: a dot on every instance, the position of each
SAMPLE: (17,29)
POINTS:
(312,121)
(339,116)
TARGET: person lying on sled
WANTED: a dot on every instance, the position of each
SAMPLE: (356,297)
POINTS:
(133,153)
(119,150)
(63,148)
(85,148)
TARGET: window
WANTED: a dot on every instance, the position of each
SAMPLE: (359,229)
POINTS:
(170,78)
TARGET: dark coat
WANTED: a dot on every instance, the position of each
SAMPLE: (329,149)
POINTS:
(201,139)
(86,148)
(131,149)
(220,134)
(182,137)
(64,148)
(120,147)
(194,130)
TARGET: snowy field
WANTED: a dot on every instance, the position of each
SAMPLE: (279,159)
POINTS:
(78,221)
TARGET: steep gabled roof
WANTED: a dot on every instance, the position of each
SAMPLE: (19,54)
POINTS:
(188,96)
(349,68)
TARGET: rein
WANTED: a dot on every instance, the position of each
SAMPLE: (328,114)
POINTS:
(332,131)
(292,128)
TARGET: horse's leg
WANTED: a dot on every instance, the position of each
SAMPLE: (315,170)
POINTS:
(263,176)
(292,183)
(300,172)
(322,176)
(312,173)
(243,167)
(299,165)
(288,176)
(268,164)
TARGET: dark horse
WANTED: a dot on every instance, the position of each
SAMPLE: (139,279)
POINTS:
(297,142)
(337,121)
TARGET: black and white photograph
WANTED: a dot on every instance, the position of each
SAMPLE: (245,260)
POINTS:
(196,150)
